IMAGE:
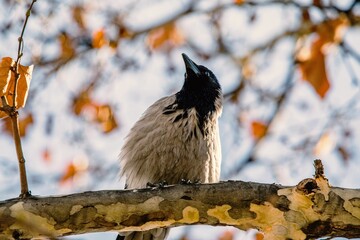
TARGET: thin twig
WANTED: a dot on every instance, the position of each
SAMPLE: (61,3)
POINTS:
(13,113)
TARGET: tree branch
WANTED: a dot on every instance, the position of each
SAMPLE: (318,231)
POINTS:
(309,210)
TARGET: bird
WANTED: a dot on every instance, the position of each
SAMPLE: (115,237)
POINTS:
(176,139)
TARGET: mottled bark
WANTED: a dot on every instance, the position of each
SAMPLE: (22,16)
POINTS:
(310,209)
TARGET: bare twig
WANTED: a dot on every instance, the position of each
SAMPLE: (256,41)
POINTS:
(13,113)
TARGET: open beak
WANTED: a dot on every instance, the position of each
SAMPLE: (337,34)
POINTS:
(191,67)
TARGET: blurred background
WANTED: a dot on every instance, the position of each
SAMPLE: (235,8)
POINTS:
(290,73)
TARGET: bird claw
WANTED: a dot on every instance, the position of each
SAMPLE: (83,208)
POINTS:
(161,184)
(189,182)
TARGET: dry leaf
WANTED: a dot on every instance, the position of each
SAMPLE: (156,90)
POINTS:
(22,86)
(259,236)
(101,114)
(77,166)
(81,101)
(344,153)
(105,116)
(313,69)
(46,155)
(69,173)
(67,48)
(99,39)
(239,1)
(312,62)
(258,129)
(227,235)
(332,30)
(7,82)
(78,16)
(168,34)
(325,144)
(5,74)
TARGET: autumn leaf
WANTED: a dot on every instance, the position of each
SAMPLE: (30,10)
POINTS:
(99,39)
(24,123)
(81,101)
(238,2)
(168,35)
(5,74)
(227,235)
(66,44)
(69,173)
(258,129)
(259,236)
(105,116)
(325,144)
(78,16)
(101,114)
(344,153)
(78,165)
(7,82)
(312,62)
(332,30)
(46,155)
(313,69)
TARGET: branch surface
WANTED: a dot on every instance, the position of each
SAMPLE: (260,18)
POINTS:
(309,210)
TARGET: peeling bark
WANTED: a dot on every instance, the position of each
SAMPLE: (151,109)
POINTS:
(309,210)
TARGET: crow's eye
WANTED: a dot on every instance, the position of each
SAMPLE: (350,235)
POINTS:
(185,75)
(207,74)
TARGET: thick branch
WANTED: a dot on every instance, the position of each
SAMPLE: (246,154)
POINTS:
(311,209)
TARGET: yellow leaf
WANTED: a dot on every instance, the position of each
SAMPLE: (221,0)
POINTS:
(99,39)
(259,129)
(168,34)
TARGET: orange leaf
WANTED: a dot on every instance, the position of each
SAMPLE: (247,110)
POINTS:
(105,116)
(259,130)
(332,30)
(259,236)
(168,35)
(99,39)
(313,69)
(344,153)
(66,44)
(227,235)
(69,173)
(7,82)
(5,74)
(78,16)
(81,101)
(239,1)
(46,155)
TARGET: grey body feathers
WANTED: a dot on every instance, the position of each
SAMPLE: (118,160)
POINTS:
(176,138)
(158,149)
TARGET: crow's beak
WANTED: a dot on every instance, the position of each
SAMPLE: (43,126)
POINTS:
(190,65)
